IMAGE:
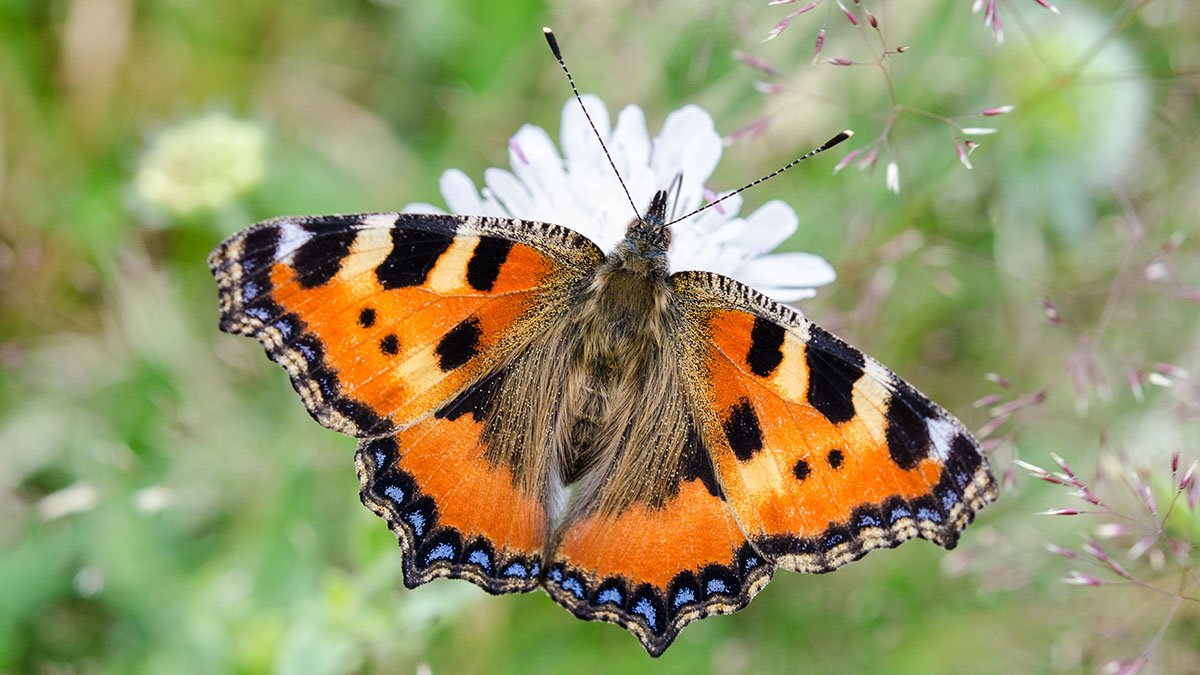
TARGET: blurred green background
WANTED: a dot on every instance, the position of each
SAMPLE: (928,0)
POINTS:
(166,505)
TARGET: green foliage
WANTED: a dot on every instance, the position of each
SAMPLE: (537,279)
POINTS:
(167,506)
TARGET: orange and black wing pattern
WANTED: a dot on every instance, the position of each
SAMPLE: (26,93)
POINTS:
(653,568)
(386,324)
(823,454)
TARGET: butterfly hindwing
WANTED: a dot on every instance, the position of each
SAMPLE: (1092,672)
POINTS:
(455,513)
(823,453)
(387,324)
(652,568)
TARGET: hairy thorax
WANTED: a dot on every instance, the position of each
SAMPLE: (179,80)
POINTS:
(608,401)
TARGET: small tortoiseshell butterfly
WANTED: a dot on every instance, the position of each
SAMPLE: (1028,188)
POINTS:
(645,446)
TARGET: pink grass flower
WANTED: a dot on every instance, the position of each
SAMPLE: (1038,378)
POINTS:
(1077,578)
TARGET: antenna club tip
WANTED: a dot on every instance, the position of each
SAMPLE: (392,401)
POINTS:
(552,41)
(847,133)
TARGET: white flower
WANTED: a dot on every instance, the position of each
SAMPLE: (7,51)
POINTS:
(201,164)
(578,190)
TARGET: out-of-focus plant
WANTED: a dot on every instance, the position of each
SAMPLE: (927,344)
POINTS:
(201,164)
(1139,530)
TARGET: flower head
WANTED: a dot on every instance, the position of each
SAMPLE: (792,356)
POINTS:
(201,164)
(577,189)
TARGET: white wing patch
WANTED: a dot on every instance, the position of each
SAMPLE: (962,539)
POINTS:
(941,432)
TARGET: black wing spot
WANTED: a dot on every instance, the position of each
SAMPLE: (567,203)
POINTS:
(319,259)
(366,318)
(390,345)
(742,429)
(801,470)
(460,345)
(833,368)
(413,256)
(486,261)
(907,431)
(766,347)
(835,458)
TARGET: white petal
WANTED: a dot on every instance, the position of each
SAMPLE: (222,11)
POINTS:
(491,206)
(689,144)
(460,194)
(510,191)
(787,294)
(537,163)
(786,270)
(579,144)
(421,207)
(631,142)
(769,226)
(716,222)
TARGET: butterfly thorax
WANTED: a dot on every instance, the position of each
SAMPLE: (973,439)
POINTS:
(621,388)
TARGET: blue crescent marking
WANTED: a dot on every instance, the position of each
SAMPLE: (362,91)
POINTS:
(417,520)
(440,552)
(285,328)
(573,586)
(395,494)
(644,608)
(481,558)
(929,514)
(684,596)
(949,500)
(716,586)
(609,595)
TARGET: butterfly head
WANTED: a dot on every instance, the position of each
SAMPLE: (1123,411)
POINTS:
(643,252)
(647,238)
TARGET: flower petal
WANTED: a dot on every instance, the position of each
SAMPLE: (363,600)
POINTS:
(579,144)
(786,270)
(421,207)
(511,192)
(460,194)
(631,143)
(769,226)
(535,160)
(787,294)
(689,145)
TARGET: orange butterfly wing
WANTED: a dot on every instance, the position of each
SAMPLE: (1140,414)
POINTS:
(653,569)
(385,324)
(823,453)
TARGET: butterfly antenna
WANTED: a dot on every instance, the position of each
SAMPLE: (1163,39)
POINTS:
(553,42)
(675,188)
(827,145)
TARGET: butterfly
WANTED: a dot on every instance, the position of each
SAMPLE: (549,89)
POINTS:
(646,446)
